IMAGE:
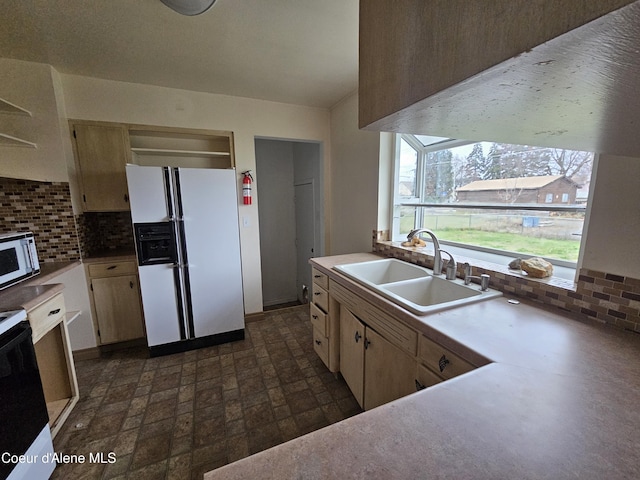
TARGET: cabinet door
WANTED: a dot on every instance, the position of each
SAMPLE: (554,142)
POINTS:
(118,311)
(102,153)
(389,372)
(352,353)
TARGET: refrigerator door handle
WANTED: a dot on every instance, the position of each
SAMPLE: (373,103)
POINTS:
(166,173)
(182,241)
(179,300)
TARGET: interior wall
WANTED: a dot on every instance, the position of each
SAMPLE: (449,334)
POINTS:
(611,244)
(354,180)
(31,86)
(275,195)
(104,100)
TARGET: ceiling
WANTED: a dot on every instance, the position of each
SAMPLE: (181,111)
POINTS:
(302,52)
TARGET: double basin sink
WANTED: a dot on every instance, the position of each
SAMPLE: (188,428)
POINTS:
(414,287)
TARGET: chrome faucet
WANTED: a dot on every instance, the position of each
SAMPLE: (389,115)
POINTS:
(437,259)
(484,278)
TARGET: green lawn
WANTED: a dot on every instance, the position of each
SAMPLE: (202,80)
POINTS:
(547,247)
(560,249)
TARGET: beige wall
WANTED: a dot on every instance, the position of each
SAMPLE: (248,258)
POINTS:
(613,232)
(31,86)
(104,100)
(353,181)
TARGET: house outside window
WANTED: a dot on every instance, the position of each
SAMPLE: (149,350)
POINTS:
(514,200)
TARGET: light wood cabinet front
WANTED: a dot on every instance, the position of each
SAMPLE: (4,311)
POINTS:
(324,313)
(118,310)
(102,151)
(376,371)
(352,353)
(442,361)
(116,301)
(389,372)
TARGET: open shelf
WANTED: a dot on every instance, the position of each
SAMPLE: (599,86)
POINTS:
(172,152)
(179,147)
(9,141)
(6,140)
(8,107)
(71,315)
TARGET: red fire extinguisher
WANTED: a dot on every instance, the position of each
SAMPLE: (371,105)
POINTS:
(246,187)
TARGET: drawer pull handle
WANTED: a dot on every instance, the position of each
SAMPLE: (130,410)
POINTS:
(315,317)
(317,293)
(112,267)
(357,336)
(318,342)
(367,342)
(54,312)
(443,362)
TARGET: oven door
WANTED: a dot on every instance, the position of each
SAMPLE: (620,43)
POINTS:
(23,411)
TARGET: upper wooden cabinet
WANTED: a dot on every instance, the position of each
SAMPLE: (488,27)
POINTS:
(556,73)
(102,151)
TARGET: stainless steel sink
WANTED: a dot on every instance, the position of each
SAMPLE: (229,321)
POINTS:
(414,287)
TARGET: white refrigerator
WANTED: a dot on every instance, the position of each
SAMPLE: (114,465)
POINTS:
(187,240)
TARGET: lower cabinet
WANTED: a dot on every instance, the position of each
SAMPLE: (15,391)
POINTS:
(115,295)
(380,357)
(376,370)
(55,360)
(437,364)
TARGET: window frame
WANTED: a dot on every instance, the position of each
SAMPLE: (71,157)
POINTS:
(422,151)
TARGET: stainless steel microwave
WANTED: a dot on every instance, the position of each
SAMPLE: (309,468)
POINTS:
(18,258)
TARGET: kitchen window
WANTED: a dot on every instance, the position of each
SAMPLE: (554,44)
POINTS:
(492,198)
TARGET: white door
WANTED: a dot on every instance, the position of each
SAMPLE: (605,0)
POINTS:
(210,204)
(161,312)
(305,234)
(147,194)
(159,288)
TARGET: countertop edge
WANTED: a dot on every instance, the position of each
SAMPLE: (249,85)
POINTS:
(543,422)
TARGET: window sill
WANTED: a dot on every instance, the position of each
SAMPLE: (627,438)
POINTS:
(482,262)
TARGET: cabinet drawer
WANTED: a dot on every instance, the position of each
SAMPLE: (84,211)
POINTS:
(321,346)
(97,270)
(46,316)
(426,377)
(320,278)
(318,319)
(441,360)
(320,297)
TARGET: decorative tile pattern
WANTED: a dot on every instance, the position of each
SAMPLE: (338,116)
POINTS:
(181,415)
(103,231)
(604,297)
(43,208)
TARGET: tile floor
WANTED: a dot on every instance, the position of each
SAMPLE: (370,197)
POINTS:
(178,416)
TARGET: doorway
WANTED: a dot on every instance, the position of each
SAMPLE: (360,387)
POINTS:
(288,187)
